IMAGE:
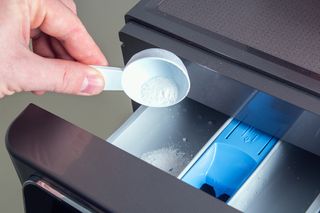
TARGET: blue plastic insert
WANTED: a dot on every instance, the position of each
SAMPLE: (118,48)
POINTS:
(229,160)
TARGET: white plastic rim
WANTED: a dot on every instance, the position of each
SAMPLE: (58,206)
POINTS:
(152,63)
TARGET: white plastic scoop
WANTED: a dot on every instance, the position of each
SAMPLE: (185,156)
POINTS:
(152,77)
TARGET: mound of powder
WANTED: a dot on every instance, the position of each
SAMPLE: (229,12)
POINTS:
(159,91)
(167,159)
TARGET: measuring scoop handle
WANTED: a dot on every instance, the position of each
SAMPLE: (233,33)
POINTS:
(112,77)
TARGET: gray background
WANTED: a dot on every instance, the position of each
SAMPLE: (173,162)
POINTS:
(100,115)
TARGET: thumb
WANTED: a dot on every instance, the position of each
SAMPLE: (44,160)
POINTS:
(56,75)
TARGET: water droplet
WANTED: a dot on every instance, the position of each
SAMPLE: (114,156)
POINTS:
(184,139)
(210,122)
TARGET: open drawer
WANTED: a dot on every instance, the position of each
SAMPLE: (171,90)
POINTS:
(83,170)
(168,138)
(56,158)
(231,161)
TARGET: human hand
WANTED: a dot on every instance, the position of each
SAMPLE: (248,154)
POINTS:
(62,49)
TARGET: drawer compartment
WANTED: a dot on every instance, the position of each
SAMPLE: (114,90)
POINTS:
(168,138)
(231,158)
(248,169)
(100,175)
(288,180)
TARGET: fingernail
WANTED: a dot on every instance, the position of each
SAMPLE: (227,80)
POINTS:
(93,83)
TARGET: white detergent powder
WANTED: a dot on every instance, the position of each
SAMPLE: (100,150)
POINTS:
(167,159)
(159,91)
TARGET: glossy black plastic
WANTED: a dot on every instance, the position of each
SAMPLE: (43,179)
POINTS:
(95,171)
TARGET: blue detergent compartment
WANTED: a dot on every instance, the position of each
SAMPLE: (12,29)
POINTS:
(229,160)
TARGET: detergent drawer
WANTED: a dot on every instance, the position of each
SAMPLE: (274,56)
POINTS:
(183,158)
(72,165)
(168,138)
(286,181)
(223,157)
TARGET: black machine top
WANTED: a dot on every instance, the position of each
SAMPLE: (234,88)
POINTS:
(276,39)
(288,30)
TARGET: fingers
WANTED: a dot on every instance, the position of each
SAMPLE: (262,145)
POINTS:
(49,47)
(39,92)
(41,46)
(71,5)
(59,50)
(55,75)
(60,22)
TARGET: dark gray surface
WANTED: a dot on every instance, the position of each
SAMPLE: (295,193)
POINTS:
(98,172)
(288,181)
(168,138)
(285,29)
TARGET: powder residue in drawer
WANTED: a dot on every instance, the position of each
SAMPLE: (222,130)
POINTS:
(168,159)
